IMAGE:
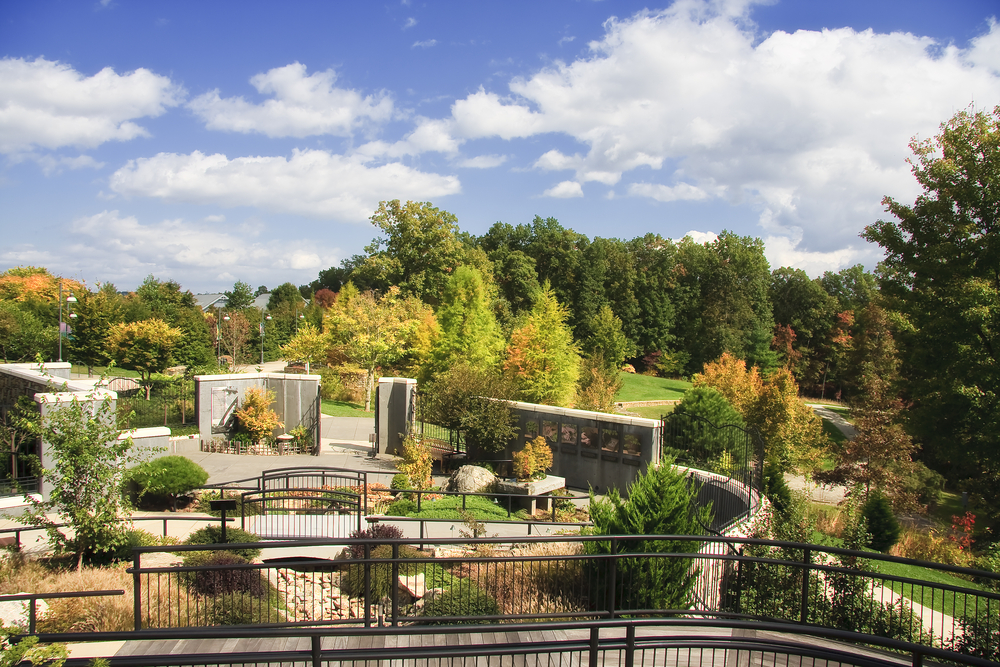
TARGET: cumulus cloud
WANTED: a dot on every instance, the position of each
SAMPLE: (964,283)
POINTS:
(565,190)
(302,105)
(312,183)
(483,161)
(811,128)
(48,104)
(121,249)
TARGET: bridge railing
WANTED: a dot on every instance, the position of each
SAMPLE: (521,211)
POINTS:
(564,578)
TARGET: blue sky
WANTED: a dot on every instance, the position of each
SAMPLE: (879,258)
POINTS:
(210,142)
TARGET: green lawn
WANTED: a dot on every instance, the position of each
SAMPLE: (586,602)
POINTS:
(842,411)
(651,411)
(836,435)
(345,409)
(450,507)
(647,388)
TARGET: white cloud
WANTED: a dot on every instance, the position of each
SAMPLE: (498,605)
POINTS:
(302,105)
(121,249)
(426,44)
(410,22)
(811,128)
(679,192)
(565,190)
(702,237)
(483,161)
(48,104)
(313,183)
(53,165)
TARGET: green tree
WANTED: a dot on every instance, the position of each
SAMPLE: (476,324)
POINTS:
(90,468)
(308,345)
(418,251)
(941,274)
(803,305)
(23,336)
(95,313)
(702,410)
(475,401)
(372,331)
(469,330)
(660,502)
(144,346)
(542,358)
(286,293)
(608,340)
(240,297)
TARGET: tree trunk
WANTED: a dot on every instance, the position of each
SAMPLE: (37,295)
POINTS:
(369,383)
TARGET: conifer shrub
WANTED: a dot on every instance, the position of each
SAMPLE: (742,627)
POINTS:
(462,599)
(882,523)
(700,415)
(660,502)
(212,583)
(213,535)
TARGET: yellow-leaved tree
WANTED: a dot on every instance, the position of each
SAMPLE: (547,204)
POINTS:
(792,433)
(309,344)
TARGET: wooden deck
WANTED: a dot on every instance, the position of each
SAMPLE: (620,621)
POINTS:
(377,650)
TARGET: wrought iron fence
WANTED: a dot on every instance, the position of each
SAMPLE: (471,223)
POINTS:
(169,403)
(732,455)
(574,578)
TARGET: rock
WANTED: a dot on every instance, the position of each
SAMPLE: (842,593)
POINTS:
(470,479)
(413,585)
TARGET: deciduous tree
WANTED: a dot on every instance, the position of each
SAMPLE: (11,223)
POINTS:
(144,346)
(308,345)
(95,313)
(942,273)
(372,330)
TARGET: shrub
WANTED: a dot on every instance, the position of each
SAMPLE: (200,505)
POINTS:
(882,524)
(462,599)
(240,608)
(416,463)
(213,535)
(352,581)
(402,507)
(533,460)
(377,532)
(660,502)
(212,583)
(255,415)
(700,414)
(980,634)
(170,476)
(400,482)
(776,489)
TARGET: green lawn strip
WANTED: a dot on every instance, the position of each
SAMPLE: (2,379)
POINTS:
(97,371)
(933,598)
(949,505)
(648,388)
(345,409)
(650,411)
(449,507)
(836,435)
(842,411)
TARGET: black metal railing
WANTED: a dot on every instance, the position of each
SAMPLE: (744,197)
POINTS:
(169,403)
(562,578)
(18,486)
(732,456)
(440,437)
(21,530)
(277,514)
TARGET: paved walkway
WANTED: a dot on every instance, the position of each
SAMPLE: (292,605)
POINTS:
(828,495)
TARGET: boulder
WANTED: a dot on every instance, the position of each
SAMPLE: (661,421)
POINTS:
(414,585)
(470,479)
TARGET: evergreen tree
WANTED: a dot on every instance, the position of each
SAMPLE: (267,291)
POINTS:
(660,502)
(542,359)
(469,330)
(95,313)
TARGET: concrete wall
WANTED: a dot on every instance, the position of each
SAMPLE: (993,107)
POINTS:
(18,380)
(217,396)
(590,449)
(395,412)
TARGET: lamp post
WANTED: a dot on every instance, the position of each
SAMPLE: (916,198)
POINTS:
(70,299)
(262,318)
(298,316)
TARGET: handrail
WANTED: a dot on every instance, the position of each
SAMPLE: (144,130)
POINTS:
(33,599)
(24,529)
(603,635)
(379,518)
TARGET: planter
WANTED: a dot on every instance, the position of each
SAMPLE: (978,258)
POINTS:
(538,487)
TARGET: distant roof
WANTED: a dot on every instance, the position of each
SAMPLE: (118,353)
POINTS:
(208,301)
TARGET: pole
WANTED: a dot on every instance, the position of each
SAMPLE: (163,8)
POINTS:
(60,320)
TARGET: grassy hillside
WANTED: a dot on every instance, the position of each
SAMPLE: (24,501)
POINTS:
(648,388)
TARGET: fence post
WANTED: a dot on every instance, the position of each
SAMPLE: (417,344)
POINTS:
(395,585)
(136,592)
(806,562)
(595,642)
(629,645)
(368,585)
(612,577)
(317,655)
(32,606)
(739,582)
